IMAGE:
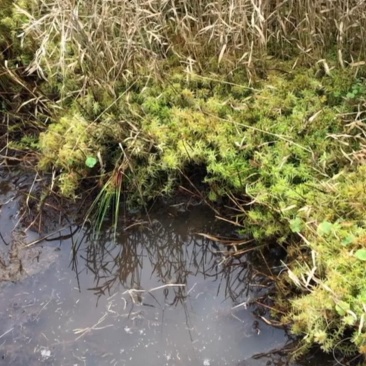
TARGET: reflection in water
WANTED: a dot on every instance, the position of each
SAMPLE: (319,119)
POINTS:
(176,293)
(171,257)
(161,295)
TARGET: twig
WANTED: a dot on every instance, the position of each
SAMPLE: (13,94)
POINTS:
(167,285)
(244,304)
(87,330)
(39,240)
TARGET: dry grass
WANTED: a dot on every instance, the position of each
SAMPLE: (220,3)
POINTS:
(108,41)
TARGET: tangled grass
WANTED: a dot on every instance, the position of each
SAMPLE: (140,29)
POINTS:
(103,43)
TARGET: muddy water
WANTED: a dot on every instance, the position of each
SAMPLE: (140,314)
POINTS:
(153,294)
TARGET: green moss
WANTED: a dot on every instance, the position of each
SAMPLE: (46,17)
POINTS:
(65,147)
(333,301)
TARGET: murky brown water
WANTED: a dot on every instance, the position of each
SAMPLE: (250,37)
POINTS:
(159,295)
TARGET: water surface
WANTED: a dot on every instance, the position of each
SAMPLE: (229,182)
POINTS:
(156,293)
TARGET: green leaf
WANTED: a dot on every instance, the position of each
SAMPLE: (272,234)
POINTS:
(296,225)
(91,161)
(325,228)
(349,239)
(342,308)
(361,254)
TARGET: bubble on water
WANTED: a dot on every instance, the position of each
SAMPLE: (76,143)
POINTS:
(206,362)
(128,330)
(45,353)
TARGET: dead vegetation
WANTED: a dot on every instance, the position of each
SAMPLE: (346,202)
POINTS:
(108,42)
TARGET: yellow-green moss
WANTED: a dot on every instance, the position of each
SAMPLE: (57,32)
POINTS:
(65,147)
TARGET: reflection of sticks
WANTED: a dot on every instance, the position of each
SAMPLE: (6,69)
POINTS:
(2,238)
(43,238)
(189,291)
(8,331)
(167,285)
(84,331)
(243,304)
(132,292)
(237,318)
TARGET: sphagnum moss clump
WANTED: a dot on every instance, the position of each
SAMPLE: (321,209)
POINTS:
(168,86)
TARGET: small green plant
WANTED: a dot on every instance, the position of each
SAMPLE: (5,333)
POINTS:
(67,146)
(91,161)
(357,90)
(361,254)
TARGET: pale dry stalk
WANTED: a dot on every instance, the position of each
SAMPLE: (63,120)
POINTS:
(105,43)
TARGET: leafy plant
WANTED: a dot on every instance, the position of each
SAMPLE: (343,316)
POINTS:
(91,161)
(361,254)
(357,90)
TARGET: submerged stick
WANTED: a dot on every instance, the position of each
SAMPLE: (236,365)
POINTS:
(167,285)
(84,331)
(8,331)
(44,237)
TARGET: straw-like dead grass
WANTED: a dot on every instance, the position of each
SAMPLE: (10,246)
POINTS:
(105,42)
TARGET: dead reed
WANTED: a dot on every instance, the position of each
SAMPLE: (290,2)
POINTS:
(104,42)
